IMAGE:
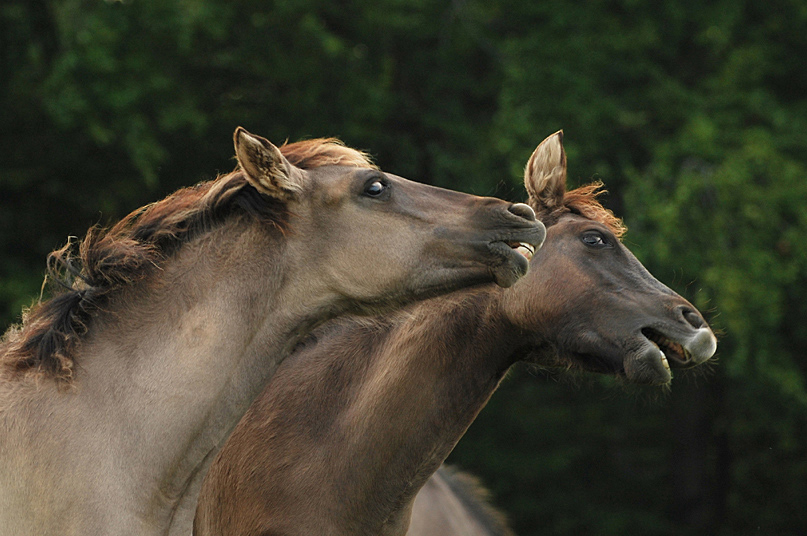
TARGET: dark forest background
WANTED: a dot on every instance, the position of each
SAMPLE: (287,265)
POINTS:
(693,113)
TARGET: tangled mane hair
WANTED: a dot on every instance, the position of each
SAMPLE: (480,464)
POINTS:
(584,201)
(85,274)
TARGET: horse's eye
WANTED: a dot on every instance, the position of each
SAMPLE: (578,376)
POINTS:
(594,239)
(375,188)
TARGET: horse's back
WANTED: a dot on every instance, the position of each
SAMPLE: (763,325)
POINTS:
(454,504)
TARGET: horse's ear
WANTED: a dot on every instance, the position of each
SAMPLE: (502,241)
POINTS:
(545,174)
(265,167)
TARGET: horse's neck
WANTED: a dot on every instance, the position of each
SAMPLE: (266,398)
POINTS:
(446,372)
(165,374)
(374,415)
(200,370)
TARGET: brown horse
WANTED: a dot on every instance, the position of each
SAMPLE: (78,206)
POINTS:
(117,392)
(357,419)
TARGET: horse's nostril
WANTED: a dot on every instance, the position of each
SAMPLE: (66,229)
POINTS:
(522,210)
(693,318)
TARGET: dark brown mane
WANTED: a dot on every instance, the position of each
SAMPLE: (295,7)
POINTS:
(85,274)
(583,201)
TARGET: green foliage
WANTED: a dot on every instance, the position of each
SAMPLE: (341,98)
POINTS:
(732,225)
(694,115)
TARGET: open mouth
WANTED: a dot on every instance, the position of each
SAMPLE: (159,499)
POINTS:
(671,352)
(526,250)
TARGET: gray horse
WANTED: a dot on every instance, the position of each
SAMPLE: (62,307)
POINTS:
(117,393)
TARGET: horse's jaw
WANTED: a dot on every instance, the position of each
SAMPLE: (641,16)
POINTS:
(658,352)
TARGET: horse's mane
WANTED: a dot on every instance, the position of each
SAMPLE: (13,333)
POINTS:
(584,201)
(308,154)
(85,274)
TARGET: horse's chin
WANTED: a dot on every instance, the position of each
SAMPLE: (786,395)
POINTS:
(514,262)
(647,357)
(642,362)
(647,365)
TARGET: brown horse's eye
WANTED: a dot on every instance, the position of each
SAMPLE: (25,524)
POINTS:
(594,239)
(375,188)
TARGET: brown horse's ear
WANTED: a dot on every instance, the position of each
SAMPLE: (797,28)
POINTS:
(265,167)
(545,174)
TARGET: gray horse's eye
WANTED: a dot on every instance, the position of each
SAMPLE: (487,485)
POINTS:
(375,188)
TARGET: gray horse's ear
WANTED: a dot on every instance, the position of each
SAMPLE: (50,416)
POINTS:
(265,167)
(545,174)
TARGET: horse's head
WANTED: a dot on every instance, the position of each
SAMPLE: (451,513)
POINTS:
(377,239)
(587,294)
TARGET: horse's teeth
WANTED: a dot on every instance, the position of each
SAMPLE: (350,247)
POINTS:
(525,249)
(664,360)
